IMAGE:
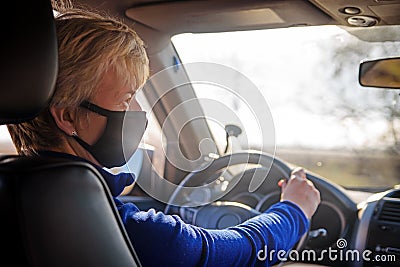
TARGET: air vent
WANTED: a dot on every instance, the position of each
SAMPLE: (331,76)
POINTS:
(390,212)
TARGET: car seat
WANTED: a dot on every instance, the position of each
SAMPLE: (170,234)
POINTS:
(53,212)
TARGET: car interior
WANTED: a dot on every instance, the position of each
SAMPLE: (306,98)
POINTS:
(222,132)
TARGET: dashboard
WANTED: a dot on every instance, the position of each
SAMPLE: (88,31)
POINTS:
(378,229)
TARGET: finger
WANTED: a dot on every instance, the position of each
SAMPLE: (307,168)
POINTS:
(297,177)
(310,183)
(282,182)
(300,172)
(298,169)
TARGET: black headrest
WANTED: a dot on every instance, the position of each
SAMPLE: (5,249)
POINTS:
(28,59)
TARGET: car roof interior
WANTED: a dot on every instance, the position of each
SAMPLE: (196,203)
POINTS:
(157,26)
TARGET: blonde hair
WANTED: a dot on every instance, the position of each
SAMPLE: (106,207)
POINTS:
(89,44)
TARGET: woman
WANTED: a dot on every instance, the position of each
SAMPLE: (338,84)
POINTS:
(102,65)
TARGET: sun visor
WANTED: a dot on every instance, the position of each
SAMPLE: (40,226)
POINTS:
(200,16)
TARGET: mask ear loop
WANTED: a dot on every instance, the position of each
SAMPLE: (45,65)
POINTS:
(96,109)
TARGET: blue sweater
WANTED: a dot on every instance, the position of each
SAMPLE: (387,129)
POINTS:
(165,240)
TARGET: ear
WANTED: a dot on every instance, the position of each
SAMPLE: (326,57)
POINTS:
(64,119)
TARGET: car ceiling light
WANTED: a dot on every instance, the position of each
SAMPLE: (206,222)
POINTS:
(362,21)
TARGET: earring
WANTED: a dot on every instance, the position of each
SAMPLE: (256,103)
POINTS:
(74,133)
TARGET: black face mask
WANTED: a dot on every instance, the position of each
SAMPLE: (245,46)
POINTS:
(121,136)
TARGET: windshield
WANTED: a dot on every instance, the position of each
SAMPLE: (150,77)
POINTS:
(324,120)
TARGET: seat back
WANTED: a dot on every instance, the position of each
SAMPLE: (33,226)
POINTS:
(53,212)
(59,212)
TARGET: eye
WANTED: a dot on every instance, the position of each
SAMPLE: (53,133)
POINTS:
(129,98)
(126,100)
(126,97)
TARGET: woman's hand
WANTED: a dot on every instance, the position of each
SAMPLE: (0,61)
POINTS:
(301,191)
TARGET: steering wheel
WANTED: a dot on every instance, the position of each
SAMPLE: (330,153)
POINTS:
(194,198)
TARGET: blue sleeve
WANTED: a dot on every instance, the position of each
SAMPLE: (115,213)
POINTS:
(165,240)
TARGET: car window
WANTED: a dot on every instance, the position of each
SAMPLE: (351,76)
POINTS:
(6,145)
(324,120)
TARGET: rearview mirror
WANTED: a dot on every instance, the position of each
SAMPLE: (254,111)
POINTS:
(382,73)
